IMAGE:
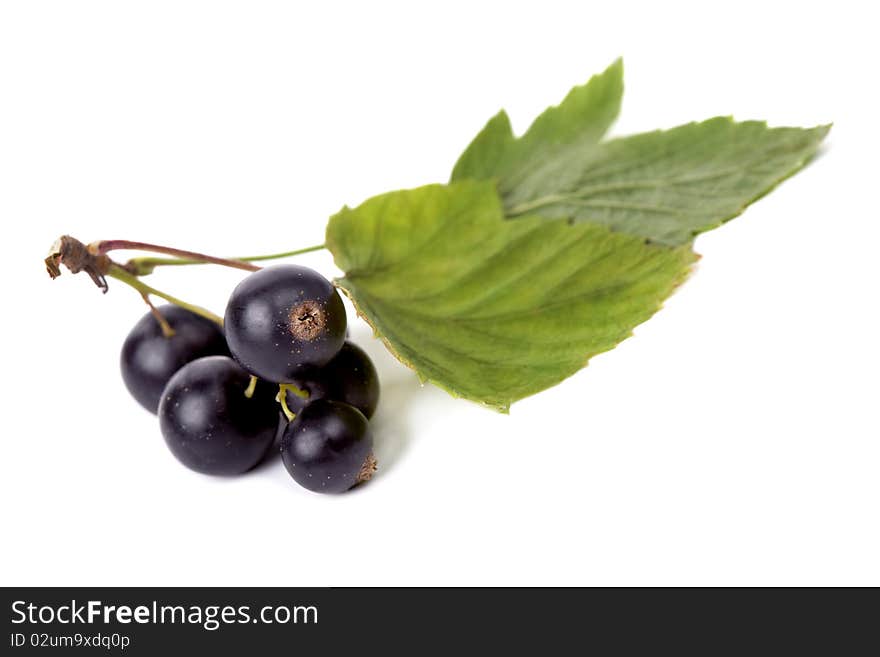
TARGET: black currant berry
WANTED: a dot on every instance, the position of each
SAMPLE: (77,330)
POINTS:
(350,377)
(283,319)
(211,424)
(149,358)
(328,447)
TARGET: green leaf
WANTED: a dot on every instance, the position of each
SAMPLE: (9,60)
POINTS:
(489,309)
(582,118)
(667,186)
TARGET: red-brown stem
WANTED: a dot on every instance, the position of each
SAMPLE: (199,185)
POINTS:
(105,246)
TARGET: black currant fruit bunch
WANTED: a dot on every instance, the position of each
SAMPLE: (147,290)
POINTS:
(277,374)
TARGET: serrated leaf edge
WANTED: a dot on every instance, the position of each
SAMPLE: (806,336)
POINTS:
(505,408)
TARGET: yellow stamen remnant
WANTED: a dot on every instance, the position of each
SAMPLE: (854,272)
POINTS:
(252,386)
(283,389)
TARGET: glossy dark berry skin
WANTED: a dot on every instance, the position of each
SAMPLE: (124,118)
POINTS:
(326,446)
(283,319)
(350,377)
(149,359)
(209,423)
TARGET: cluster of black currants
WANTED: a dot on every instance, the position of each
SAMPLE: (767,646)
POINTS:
(279,375)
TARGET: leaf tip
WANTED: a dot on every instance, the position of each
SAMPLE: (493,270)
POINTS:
(823,129)
(502,117)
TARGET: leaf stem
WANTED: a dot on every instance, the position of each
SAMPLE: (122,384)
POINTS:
(146,264)
(121,274)
(285,254)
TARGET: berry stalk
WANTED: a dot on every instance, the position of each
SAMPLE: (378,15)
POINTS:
(78,257)
(93,260)
(121,274)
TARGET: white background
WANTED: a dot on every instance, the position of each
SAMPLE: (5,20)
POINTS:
(734,440)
